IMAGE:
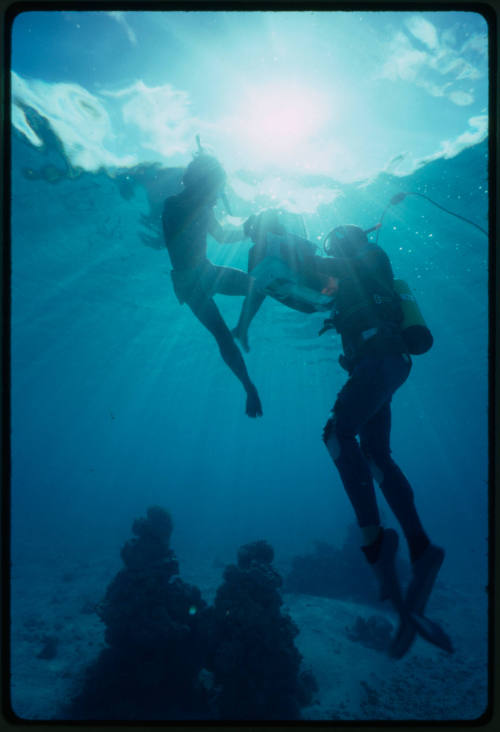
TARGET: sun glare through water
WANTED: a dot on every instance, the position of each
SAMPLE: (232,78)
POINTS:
(280,120)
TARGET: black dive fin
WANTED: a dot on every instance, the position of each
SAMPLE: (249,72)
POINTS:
(432,632)
(425,571)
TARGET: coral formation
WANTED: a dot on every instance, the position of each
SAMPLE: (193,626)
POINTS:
(169,656)
(255,663)
(154,652)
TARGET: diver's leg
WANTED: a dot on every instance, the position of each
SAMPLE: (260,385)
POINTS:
(379,545)
(362,397)
(231,281)
(426,558)
(375,444)
(208,314)
(249,309)
(355,404)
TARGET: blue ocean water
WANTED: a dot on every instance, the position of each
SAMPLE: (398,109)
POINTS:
(120,400)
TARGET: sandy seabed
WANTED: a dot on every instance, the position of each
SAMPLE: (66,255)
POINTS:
(355,682)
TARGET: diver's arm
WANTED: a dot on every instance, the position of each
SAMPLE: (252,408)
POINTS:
(228,234)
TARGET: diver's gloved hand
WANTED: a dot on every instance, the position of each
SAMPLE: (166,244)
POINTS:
(254,407)
(249,224)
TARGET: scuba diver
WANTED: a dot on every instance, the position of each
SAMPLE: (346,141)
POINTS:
(368,315)
(187,220)
(380,325)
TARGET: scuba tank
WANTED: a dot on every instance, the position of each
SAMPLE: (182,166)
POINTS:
(416,334)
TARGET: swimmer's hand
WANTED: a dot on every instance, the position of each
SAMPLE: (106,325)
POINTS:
(254,407)
(332,285)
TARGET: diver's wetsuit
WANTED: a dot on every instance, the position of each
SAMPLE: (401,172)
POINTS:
(368,317)
(187,219)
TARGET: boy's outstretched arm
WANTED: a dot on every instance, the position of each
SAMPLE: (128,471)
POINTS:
(227,235)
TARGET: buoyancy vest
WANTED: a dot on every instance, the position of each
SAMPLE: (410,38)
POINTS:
(366,298)
(376,304)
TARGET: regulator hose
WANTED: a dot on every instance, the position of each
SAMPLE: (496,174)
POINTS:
(401,196)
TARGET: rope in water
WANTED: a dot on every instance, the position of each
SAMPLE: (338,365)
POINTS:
(401,196)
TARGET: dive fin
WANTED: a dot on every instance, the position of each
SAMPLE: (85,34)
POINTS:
(425,571)
(432,632)
(410,609)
